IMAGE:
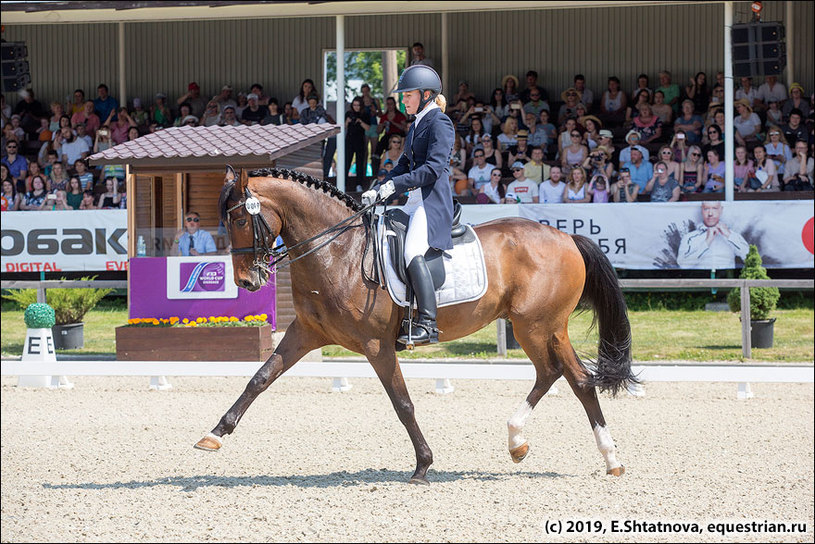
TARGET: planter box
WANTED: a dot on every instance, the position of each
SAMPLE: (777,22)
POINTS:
(194,343)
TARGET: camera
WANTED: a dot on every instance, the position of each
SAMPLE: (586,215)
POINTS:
(680,136)
(51,197)
(479,110)
(660,170)
(516,106)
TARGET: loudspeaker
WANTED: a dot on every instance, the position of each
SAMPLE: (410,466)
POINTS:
(758,49)
(15,69)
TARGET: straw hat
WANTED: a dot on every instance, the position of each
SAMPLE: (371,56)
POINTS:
(797,86)
(597,122)
(604,150)
(743,102)
(570,90)
(507,77)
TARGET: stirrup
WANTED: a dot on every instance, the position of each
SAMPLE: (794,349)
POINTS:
(418,333)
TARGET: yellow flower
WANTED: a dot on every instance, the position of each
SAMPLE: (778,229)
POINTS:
(233,319)
(185,321)
(174,320)
(154,321)
(249,318)
(263,317)
(201,320)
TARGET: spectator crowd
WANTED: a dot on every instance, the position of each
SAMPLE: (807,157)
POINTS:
(522,144)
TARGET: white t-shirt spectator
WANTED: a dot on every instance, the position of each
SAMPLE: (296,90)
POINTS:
(72,152)
(747,126)
(750,95)
(526,190)
(550,194)
(480,176)
(779,92)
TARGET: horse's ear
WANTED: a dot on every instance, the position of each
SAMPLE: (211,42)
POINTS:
(242,181)
(229,174)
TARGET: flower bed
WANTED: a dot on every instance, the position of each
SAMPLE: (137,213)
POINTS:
(202,339)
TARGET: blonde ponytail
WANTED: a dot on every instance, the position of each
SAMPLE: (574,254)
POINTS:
(441,102)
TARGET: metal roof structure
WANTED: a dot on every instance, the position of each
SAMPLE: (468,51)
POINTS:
(206,147)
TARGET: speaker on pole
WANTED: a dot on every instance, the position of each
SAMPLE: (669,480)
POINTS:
(15,69)
(758,49)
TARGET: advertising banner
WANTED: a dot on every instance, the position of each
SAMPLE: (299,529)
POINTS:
(207,277)
(54,241)
(670,235)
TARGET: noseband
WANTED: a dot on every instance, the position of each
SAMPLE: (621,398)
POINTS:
(260,235)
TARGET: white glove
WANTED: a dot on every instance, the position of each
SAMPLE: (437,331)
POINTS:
(387,189)
(369,197)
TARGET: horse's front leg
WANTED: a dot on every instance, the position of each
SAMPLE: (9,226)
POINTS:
(383,359)
(293,346)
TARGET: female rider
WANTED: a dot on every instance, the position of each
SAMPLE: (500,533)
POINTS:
(422,171)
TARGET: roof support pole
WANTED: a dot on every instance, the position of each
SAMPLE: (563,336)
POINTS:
(730,134)
(122,79)
(445,56)
(790,23)
(341,103)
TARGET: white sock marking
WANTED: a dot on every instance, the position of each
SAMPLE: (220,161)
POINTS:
(606,446)
(515,425)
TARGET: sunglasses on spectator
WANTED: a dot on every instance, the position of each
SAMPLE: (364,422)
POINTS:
(695,154)
(496,173)
(193,220)
(571,94)
(517,169)
(480,155)
(624,170)
(775,134)
(666,152)
(575,135)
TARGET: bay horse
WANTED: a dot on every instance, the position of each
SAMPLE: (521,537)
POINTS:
(537,275)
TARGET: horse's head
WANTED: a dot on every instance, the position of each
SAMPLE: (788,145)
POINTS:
(252,231)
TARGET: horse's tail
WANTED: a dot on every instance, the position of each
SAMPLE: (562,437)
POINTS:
(602,292)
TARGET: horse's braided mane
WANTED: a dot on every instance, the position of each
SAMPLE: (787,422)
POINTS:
(308,181)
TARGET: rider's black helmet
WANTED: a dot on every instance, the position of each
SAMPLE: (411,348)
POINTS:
(419,77)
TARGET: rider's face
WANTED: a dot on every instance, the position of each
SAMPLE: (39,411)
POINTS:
(411,100)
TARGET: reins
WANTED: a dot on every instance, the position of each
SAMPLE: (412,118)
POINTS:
(268,257)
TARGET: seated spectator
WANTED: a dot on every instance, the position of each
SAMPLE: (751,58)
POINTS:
(798,173)
(666,154)
(77,103)
(458,161)
(193,97)
(598,189)
(57,111)
(485,113)
(714,141)
(509,134)
(536,169)
(111,197)
(612,104)
(499,104)
(714,173)
(212,115)
(571,98)
(586,95)
(103,140)
(43,133)
(765,171)
(16,129)
(641,170)
(743,169)
(491,154)
(10,198)
(679,145)
(648,125)
(34,169)
(642,85)
(772,89)
(551,190)
(536,103)
(662,185)
(88,200)
(575,190)
(509,84)
(73,193)
(690,123)
(473,137)
(160,112)
(104,104)
(643,96)
(691,171)
(253,114)
(670,90)
(120,127)
(30,111)
(746,123)
(774,114)
(592,126)
(192,240)
(520,151)
(141,116)
(224,98)
(531,86)
(748,92)
(36,199)
(57,203)
(550,132)
(72,149)
(795,130)
(58,178)
(565,137)
(494,191)
(188,121)
(89,117)
(229,117)
(625,190)
(606,141)
(525,191)
(292,116)
(263,99)
(82,134)
(661,109)
(273,116)
(477,177)
(463,92)
(633,141)
(598,163)
(184,110)
(796,101)
(394,150)
(697,91)
(17,164)
(778,149)
(716,100)
(574,155)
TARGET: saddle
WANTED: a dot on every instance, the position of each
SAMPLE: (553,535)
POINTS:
(395,223)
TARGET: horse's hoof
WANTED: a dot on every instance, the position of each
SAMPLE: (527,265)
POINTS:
(209,443)
(518,454)
(616,471)
(419,481)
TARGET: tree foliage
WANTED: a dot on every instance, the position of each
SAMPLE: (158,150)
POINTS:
(763,300)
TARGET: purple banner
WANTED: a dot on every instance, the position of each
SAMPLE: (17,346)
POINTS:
(148,292)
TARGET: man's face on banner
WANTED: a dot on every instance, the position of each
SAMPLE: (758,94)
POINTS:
(711,212)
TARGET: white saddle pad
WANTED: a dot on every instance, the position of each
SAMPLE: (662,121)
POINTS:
(464,268)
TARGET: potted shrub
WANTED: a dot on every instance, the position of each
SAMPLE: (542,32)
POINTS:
(763,301)
(70,307)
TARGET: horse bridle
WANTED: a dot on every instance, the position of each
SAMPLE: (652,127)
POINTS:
(266,257)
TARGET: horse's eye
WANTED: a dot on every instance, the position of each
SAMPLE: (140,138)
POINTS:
(241,222)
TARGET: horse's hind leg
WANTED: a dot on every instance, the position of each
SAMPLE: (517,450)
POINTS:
(577,376)
(387,368)
(547,369)
(293,346)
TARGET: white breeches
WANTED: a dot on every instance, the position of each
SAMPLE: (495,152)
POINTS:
(416,240)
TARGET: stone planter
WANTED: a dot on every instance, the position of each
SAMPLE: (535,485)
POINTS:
(194,343)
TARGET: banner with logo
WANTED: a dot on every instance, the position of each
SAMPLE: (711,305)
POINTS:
(207,277)
(54,241)
(670,235)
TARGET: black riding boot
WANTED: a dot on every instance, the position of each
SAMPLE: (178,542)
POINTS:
(425,331)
